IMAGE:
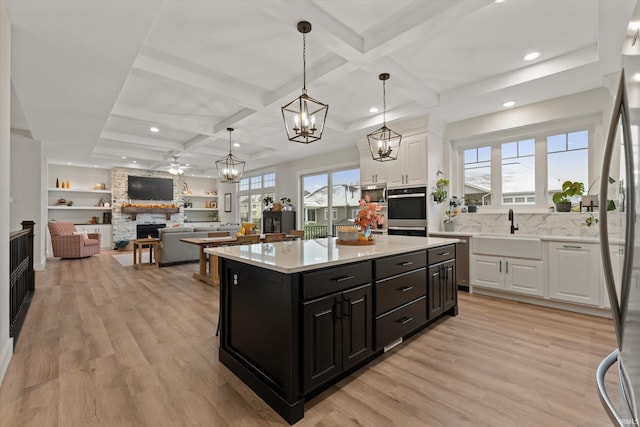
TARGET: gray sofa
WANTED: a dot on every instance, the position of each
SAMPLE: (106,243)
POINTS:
(173,251)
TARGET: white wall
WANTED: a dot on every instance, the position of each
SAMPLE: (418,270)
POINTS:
(26,190)
(6,343)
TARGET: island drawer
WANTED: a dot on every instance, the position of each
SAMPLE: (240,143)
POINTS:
(401,289)
(398,264)
(399,322)
(335,279)
(441,253)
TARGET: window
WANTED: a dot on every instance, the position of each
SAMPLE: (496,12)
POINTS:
(524,171)
(338,192)
(518,172)
(477,175)
(251,191)
(567,158)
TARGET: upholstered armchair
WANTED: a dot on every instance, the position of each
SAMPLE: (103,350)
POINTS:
(67,242)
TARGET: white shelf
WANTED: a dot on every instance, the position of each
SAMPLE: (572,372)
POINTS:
(202,196)
(200,209)
(73,190)
(80,208)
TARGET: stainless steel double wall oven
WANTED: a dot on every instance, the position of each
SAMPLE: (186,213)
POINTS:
(407,211)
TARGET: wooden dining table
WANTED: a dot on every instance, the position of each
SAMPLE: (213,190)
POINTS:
(208,271)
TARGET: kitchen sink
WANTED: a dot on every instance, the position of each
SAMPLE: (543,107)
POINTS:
(508,245)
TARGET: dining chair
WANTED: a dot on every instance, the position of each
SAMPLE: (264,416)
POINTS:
(218,234)
(298,233)
(274,237)
(249,239)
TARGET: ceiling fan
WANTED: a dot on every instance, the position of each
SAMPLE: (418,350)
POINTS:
(177,168)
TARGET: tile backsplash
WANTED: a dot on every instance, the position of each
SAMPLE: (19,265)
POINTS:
(565,224)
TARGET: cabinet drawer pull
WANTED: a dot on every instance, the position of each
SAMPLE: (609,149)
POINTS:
(404,264)
(343,278)
(405,320)
(500,270)
(405,288)
(444,254)
(571,247)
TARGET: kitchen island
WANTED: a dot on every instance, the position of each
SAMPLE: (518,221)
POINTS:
(296,317)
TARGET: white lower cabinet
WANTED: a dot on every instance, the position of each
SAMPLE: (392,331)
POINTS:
(512,274)
(573,272)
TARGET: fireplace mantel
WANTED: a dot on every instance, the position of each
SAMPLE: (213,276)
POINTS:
(135,210)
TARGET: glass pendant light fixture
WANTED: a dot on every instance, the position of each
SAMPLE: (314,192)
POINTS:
(384,143)
(230,167)
(304,117)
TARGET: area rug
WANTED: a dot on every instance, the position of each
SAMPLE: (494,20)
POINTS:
(126,259)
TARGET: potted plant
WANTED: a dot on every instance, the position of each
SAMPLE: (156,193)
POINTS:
(472,205)
(267,202)
(188,203)
(562,199)
(286,202)
(448,221)
(439,192)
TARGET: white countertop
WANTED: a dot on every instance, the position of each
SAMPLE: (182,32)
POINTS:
(544,237)
(302,255)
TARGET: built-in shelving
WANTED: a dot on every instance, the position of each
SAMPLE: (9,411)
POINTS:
(79,208)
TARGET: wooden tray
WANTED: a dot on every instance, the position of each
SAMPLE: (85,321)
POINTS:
(355,242)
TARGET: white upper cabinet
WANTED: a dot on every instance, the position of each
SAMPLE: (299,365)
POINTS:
(409,169)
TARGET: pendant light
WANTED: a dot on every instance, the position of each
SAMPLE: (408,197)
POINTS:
(384,143)
(304,117)
(230,167)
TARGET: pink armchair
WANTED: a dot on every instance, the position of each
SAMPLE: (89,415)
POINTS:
(68,243)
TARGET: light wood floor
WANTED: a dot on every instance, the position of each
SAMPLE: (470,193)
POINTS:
(104,345)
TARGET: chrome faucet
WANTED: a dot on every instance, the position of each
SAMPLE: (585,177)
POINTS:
(513,228)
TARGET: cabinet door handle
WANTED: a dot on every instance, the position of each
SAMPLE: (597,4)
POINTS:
(571,247)
(405,320)
(507,264)
(337,309)
(500,268)
(404,264)
(405,288)
(348,302)
(343,278)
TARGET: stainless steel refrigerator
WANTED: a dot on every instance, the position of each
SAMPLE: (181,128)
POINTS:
(620,246)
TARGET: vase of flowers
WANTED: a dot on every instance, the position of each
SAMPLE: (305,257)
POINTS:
(368,217)
(448,221)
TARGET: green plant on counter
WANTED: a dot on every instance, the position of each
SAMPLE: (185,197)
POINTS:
(562,199)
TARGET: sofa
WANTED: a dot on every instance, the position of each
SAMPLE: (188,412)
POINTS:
(172,251)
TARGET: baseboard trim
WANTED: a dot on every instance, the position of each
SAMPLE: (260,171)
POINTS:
(593,311)
(5,357)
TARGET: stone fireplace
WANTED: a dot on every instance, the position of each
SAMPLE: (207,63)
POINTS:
(148,230)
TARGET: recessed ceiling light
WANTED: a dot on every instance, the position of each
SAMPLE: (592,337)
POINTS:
(134,161)
(95,166)
(68,163)
(154,129)
(373,110)
(123,157)
(509,104)
(636,77)
(235,144)
(531,56)
(499,1)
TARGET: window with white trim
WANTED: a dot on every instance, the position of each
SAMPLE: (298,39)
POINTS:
(527,170)
(251,192)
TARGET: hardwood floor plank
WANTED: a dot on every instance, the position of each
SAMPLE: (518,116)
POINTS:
(106,345)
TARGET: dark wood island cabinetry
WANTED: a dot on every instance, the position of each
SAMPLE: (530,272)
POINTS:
(298,316)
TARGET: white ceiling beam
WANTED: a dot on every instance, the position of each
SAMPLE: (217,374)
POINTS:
(138,140)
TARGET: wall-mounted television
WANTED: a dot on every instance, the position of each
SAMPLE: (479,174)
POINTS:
(149,188)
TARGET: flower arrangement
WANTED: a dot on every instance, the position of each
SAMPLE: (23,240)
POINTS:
(369,214)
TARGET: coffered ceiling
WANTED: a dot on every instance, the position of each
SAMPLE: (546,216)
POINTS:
(90,78)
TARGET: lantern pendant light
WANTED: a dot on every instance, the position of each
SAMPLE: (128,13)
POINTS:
(384,143)
(230,167)
(304,117)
